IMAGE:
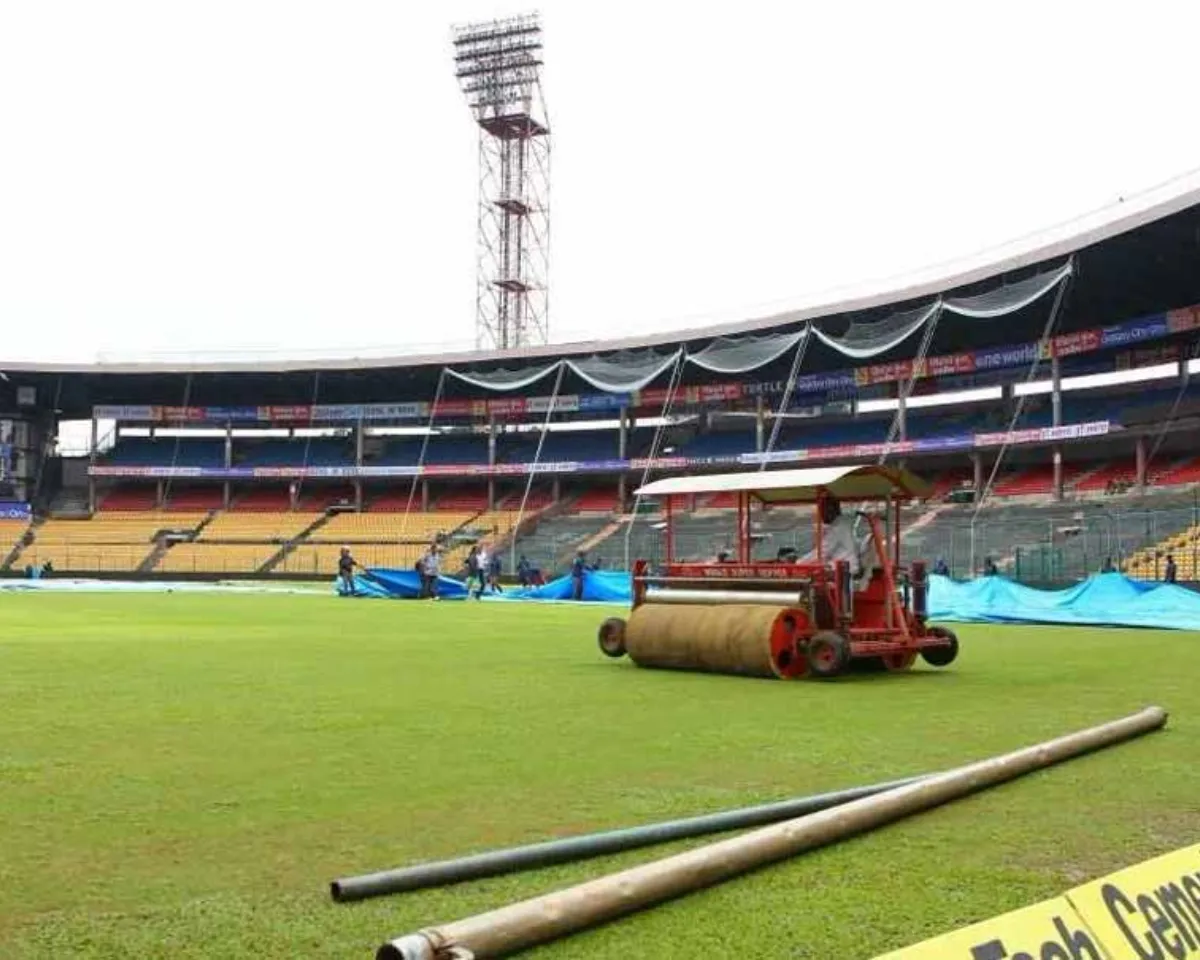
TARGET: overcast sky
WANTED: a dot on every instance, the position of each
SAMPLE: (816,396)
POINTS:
(250,174)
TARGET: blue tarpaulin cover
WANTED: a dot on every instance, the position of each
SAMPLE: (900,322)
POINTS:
(1108,599)
(402,584)
(599,586)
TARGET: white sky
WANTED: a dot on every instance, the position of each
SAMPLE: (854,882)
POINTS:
(246,174)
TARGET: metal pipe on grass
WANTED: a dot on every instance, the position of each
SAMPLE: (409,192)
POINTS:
(537,920)
(535,855)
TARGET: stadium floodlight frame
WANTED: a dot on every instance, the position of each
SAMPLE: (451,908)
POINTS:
(498,66)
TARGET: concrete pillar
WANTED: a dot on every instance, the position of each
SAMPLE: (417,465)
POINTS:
(228,445)
(160,494)
(623,435)
(358,494)
(977,480)
(359,443)
(760,424)
(1140,460)
(556,490)
(1058,473)
(92,460)
(491,486)
(1056,391)
(622,492)
(901,416)
(424,496)
(226,494)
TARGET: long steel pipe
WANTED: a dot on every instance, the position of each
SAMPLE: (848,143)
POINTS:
(523,924)
(535,855)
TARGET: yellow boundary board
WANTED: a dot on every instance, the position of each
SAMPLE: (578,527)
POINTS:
(1150,911)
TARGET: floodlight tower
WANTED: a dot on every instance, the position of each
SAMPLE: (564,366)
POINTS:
(498,64)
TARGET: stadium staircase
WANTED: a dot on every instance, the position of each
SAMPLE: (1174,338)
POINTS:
(925,519)
(591,543)
(12,535)
(289,547)
(162,545)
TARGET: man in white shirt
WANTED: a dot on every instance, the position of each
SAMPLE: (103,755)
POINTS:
(837,538)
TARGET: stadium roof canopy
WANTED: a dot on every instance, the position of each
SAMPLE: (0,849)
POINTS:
(1125,260)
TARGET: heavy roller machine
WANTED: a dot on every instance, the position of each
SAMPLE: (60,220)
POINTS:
(813,618)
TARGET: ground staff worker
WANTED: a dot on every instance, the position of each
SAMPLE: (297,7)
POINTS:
(430,568)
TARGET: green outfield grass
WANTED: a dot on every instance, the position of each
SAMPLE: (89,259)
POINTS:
(183,775)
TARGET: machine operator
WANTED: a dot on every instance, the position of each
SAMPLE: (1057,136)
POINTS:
(837,538)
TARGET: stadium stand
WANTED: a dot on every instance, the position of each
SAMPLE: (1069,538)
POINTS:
(553,542)
(466,499)
(11,533)
(185,498)
(264,499)
(1149,563)
(1183,473)
(378,527)
(178,451)
(134,497)
(258,526)
(317,451)
(596,500)
(1146,313)
(217,558)
(108,542)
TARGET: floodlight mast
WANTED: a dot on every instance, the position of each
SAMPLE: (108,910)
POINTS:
(498,65)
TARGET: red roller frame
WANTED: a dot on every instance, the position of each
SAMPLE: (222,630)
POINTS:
(873,617)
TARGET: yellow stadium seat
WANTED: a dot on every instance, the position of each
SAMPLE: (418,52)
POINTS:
(201,557)
(258,527)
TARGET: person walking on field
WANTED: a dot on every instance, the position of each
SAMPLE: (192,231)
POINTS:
(578,568)
(346,565)
(430,566)
(493,573)
(475,571)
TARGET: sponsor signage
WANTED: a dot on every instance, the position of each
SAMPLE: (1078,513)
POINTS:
(15,510)
(1046,931)
(858,451)
(1150,911)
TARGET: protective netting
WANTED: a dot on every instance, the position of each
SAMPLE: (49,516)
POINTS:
(500,380)
(871,338)
(625,371)
(1011,297)
(629,370)
(743,354)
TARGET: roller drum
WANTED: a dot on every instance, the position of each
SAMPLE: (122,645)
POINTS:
(745,640)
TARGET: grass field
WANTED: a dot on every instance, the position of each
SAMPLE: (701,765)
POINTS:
(183,775)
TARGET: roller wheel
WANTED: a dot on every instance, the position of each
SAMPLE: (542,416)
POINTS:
(828,654)
(612,637)
(897,662)
(941,656)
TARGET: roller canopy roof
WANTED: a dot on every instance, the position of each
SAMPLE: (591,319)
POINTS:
(800,486)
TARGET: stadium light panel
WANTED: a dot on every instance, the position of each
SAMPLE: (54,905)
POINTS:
(1093,381)
(977,395)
